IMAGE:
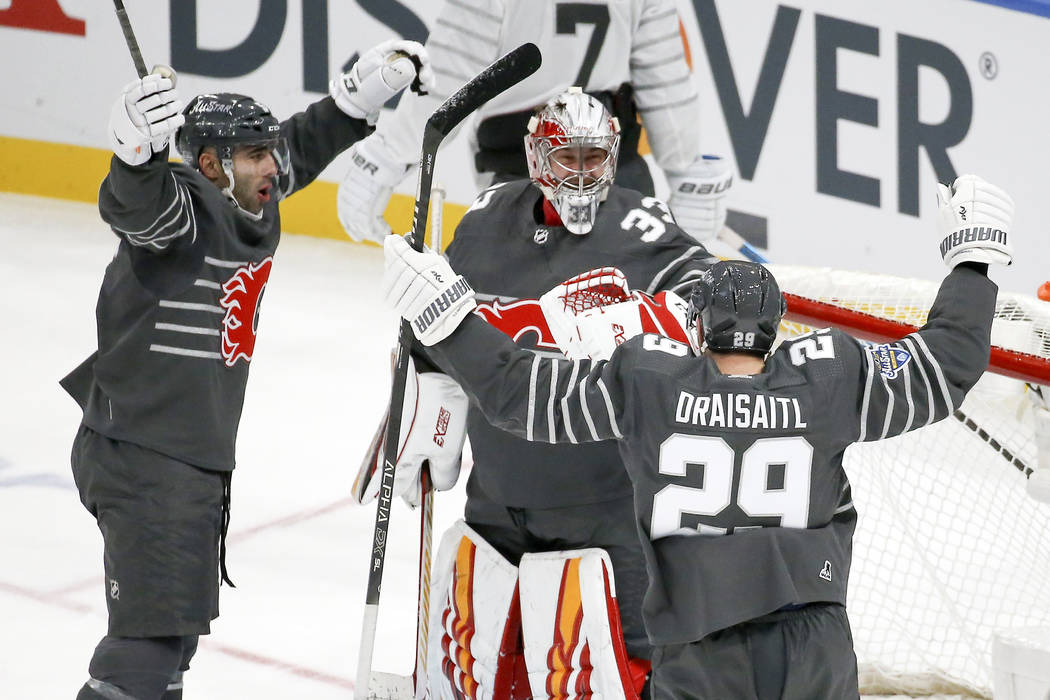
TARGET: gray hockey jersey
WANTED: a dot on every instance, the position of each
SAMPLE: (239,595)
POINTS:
(178,311)
(511,260)
(741,500)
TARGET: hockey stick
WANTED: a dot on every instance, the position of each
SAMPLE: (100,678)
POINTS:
(738,243)
(426,515)
(133,46)
(505,72)
(129,37)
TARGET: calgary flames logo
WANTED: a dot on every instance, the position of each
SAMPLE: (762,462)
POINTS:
(518,318)
(241,300)
(661,314)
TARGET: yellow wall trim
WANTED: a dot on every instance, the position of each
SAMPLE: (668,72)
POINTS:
(70,172)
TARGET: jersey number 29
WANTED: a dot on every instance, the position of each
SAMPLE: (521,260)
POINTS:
(789,500)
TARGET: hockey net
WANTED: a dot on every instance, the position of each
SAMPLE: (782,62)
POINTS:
(949,547)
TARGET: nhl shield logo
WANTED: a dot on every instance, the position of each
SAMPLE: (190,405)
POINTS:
(891,359)
(540,237)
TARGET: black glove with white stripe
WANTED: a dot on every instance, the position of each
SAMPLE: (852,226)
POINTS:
(974,222)
(422,287)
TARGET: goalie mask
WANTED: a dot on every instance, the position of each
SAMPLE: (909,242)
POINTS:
(738,305)
(227,121)
(571,150)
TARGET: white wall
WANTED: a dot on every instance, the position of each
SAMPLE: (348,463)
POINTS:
(58,87)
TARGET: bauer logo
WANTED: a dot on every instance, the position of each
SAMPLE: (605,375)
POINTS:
(890,359)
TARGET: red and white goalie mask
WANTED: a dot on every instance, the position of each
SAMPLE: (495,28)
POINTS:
(571,150)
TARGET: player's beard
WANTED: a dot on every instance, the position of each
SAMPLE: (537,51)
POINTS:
(246,190)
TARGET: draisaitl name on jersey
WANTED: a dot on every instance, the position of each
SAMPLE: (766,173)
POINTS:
(753,411)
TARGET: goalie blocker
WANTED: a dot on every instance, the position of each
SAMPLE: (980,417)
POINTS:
(433,429)
(548,628)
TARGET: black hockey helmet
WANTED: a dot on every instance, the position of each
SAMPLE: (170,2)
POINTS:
(225,120)
(738,305)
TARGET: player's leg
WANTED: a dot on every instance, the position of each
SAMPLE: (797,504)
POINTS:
(570,623)
(474,647)
(160,521)
(174,689)
(714,668)
(820,662)
(126,667)
(609,526)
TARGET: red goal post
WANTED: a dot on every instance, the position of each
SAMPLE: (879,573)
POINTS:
(949,549)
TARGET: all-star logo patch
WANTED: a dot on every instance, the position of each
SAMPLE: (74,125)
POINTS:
(891,359)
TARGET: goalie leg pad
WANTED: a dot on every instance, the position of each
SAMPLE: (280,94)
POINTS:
(571,626)
(475,619)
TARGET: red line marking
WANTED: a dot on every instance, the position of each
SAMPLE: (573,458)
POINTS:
(290,519)
(46,597)
(284,521)
(241,654)
(295,670)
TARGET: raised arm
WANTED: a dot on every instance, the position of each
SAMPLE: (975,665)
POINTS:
(542,399)
(925,376)
(140,198)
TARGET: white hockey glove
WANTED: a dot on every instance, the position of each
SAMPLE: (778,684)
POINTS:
(365,191)
(145,116)
(379,74)
(698,196)
(974,222)
(590,314)
(433,429)
(423,288)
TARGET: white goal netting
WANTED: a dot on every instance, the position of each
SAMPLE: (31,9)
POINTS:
(949,546)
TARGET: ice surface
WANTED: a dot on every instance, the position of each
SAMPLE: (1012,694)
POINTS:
(297,545)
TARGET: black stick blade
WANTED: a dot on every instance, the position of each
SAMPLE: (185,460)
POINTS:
(503,73)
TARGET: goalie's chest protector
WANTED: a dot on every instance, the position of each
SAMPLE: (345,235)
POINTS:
(511,260)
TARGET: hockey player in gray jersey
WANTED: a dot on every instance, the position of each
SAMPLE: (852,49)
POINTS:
(177,317)
(627,53)
(518,240)
(735,456)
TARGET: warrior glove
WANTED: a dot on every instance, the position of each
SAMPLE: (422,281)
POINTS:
(974,222)
(422,287)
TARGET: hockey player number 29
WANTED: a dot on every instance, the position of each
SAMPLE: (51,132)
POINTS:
(757,497)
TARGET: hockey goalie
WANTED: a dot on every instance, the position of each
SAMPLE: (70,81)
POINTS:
(548,627)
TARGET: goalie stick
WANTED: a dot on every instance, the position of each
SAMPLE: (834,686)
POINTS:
(502,74)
